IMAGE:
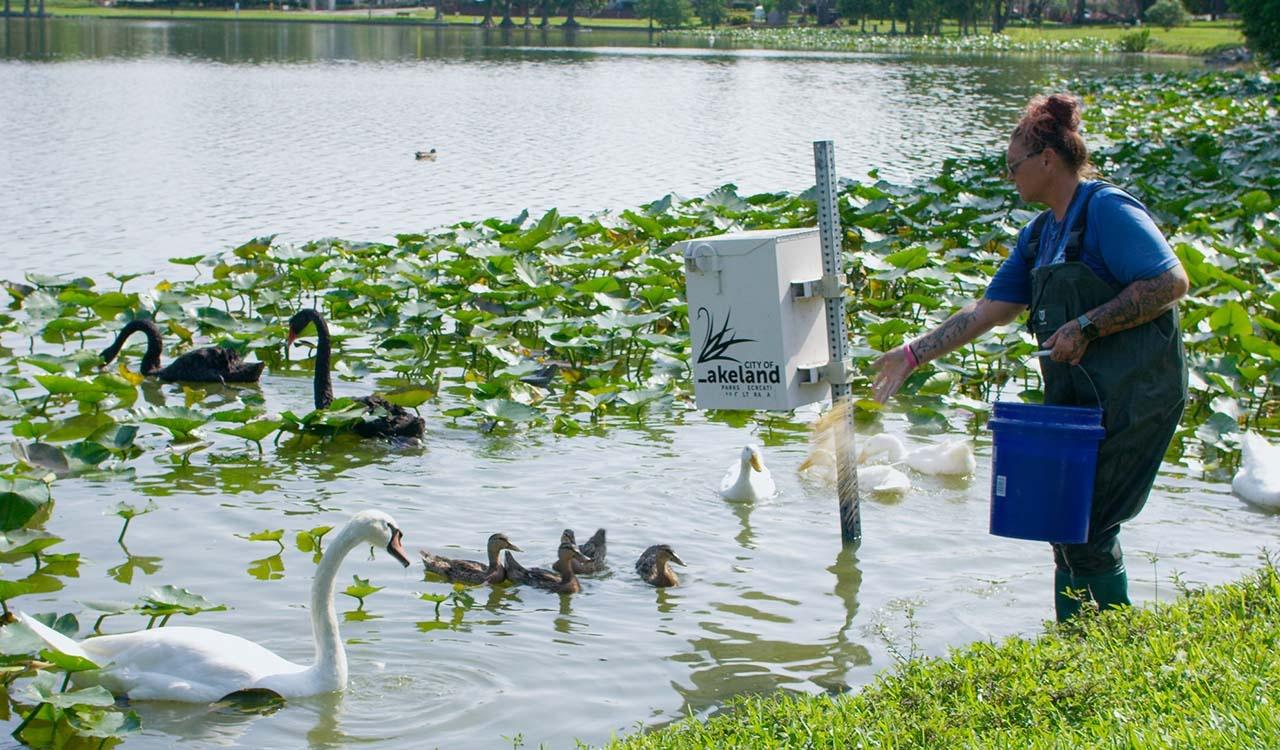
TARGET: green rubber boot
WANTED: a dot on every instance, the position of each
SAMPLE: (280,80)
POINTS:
(1065,605)
(1109,590)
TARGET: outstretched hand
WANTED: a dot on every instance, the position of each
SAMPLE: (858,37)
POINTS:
(892,369)
(1067,343)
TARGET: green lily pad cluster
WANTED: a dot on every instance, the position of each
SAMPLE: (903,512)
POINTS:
(829,39)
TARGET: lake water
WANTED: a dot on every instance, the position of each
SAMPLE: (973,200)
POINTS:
(127,143)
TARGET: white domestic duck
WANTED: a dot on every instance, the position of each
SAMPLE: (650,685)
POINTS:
(1258,480)
(883,480)
(199,665)
(950,458)
(884,448)
(747,478)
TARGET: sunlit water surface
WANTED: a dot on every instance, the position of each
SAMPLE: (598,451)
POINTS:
(127,143)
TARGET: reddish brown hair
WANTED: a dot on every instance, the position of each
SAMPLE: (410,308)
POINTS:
(1054,122)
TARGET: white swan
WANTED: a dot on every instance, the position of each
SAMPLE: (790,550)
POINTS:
(747,478)
(199,665)
(953,458)
(1258,480)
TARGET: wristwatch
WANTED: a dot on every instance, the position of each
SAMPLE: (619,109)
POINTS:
(1087,327)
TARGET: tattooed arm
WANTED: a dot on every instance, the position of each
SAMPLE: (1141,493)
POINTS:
(1140,302)
(970,322)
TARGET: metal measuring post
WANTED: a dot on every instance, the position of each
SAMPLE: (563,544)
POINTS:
(837,370)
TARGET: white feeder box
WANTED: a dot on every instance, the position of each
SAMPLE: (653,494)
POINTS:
(757,320)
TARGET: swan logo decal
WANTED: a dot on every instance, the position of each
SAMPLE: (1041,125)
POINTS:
(717,343)
(715,348)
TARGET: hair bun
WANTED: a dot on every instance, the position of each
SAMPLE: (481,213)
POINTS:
(1065,111)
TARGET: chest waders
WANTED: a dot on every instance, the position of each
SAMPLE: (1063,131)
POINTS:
(1140,377)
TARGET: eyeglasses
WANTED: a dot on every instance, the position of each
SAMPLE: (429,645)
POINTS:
(1012,169)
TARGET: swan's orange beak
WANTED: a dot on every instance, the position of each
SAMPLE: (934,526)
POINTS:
(395,549)
(292,337)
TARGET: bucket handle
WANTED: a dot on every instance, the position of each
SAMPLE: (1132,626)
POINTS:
(1096,396)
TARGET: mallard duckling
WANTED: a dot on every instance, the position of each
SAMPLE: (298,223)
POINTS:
(595,548)
(654,566)
(471,571)
(1258,480)
(425,155)
(747,478)
(953,458)
(562,580)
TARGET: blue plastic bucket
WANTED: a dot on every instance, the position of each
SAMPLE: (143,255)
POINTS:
(1043,463)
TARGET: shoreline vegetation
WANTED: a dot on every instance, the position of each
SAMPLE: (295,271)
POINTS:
(1196,38)
(1201,671)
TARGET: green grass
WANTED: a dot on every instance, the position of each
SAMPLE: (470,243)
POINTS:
(1198,38)
(1201,672)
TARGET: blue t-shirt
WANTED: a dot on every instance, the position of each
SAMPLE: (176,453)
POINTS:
(1121,244)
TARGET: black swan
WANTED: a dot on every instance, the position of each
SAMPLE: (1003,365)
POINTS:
(210,364)
(390,420)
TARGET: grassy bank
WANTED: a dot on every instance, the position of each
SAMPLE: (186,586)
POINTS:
(1202,672)
(1198,38)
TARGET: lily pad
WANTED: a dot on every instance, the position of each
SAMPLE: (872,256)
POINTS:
(170,600)
(180,421)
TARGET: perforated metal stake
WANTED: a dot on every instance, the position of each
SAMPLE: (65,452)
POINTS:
(824,164)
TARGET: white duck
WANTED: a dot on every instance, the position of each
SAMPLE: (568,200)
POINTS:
(199,665)
(881,445)
(883,480)
(1258,480)
(952,458)
(747,478)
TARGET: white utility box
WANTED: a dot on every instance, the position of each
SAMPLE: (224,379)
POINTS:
(756,319)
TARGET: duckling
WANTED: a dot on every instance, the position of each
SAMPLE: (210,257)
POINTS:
(953,457)
(425,155)
(654,566)
(594,548)
(561,581)
(470,571)
(1258,480)
(747,478)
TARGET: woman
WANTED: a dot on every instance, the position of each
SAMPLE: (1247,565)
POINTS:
(1102,286)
